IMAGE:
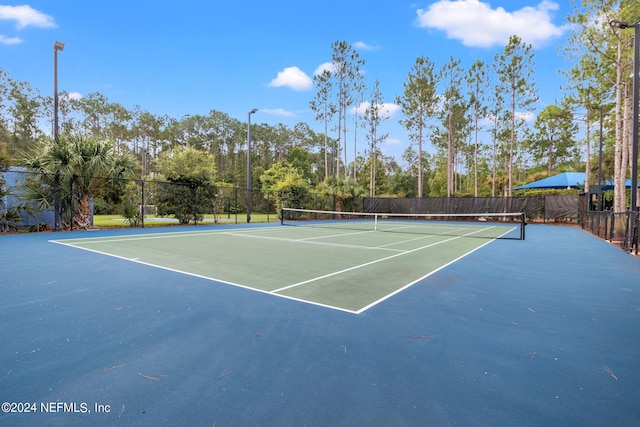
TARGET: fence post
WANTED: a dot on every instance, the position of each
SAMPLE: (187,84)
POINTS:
(195,204)
(631,240)
(71,203)
(634,242)
(144,206)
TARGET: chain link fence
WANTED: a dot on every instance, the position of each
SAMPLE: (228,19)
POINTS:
(26,202)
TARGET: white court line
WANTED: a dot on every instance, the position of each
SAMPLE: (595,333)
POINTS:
(79,241)
(161,235)
(213,279)
(427,236)
(339,235)
(307,241)
(381,247)
(408,285)
(335,273)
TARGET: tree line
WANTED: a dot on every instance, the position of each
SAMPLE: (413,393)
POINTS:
(471,130)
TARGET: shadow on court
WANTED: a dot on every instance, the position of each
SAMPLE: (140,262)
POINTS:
(536,332)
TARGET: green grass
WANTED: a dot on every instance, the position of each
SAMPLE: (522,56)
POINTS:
(108,221)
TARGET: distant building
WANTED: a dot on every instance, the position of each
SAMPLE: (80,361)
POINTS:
(13,178)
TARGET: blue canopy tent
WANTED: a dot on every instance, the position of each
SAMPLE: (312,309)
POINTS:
(565,180)
(560,181)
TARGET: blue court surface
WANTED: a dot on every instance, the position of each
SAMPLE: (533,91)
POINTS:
(540,332)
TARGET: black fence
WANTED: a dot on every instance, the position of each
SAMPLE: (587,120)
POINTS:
(619,228)
(136,201)
(218,203)
(193,204)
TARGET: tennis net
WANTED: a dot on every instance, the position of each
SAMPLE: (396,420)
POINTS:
(483,225)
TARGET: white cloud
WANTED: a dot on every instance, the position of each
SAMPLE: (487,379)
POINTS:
(526,116)
(26,16)
(390,109)
(364,46)
(476,24)
(293,78)
(387,109)
(327,66)
(278,112)
(360,108)
(9,40)
(74,96)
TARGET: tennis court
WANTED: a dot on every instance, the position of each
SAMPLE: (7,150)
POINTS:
(348,264)
(200,326)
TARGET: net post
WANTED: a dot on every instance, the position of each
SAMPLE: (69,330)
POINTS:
(375,222)
(281,216)
(523,223)
(143,205)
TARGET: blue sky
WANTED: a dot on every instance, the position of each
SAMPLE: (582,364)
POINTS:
(190,57)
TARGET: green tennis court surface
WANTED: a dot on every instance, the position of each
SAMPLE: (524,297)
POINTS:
(341,268)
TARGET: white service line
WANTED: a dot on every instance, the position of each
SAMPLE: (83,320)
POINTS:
(307,241)
(152,236)
(335,273)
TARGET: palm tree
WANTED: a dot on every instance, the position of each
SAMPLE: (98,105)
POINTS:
(83,164)
(344,191)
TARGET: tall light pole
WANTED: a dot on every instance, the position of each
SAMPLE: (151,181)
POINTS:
(255,110)
(600,207)
(635,112)
(57,46)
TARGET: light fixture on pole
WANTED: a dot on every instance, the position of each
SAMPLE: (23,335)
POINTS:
(255,110)
(57,46)
(635,112)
